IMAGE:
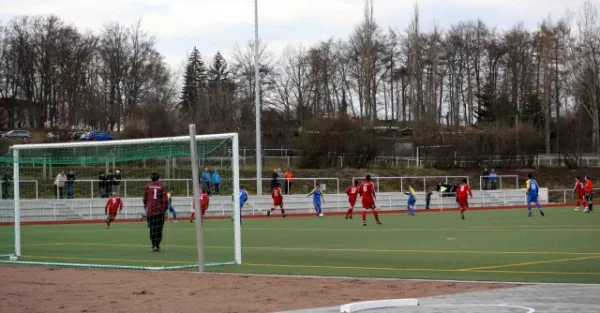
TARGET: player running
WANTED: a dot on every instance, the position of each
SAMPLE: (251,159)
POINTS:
(412,200)
(532,194)
(171,209)
(462,197)
(156,203)
(352,193)
(579,190)
(367,194)
(243,199)
(589,195)
(277,200)
(204,202)
(318,198)
(113,205)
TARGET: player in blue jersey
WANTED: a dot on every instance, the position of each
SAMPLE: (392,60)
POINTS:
(318,198)
(532,194)
(243,199)
(171,209)
(412,200)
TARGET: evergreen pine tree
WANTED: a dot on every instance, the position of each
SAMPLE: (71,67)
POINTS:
(194,85)
(218,71)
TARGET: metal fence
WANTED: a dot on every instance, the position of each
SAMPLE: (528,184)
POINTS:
(562,196)
(426,182)
(92,189)
(508,180)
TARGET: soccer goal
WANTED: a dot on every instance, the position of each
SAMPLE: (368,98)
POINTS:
(53,209)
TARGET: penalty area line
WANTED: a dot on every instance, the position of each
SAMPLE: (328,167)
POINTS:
(528,263)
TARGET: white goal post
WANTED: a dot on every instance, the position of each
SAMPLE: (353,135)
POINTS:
(146,148)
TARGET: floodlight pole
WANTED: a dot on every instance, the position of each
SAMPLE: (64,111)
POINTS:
(257,103)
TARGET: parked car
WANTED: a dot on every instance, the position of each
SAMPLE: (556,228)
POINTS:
(98,136)
(83,135)
(76,135)
(17,134)
(52,136)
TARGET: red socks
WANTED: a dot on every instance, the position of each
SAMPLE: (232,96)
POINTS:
(376,216)
(349,212)
(272,209)
(364,216)
(462,210)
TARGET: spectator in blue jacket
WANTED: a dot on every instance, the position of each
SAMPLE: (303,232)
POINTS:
(216,179)
(206,177)
(493,179)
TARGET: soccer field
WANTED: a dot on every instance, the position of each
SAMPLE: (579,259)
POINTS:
(498,245)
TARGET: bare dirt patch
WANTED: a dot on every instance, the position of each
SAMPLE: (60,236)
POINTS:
(48,290)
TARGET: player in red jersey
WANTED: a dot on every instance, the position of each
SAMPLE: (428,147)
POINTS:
(204,202)
(367,193)
(156,202)
(352,193)
(589,195)
(277,200)
(113,205)
(462,194)
(579,190)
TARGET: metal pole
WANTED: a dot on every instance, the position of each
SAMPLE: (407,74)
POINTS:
(237,213)
(418,163)
(196,186)
(17,202)
(257,103)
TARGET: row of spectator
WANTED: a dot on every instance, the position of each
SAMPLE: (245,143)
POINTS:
(107,183)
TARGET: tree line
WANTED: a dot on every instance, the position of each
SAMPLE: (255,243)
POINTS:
(534,89)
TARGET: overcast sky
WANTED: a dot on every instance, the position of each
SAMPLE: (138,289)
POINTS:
(217,25)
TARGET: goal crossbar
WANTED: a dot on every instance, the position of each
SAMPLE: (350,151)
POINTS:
(122,142)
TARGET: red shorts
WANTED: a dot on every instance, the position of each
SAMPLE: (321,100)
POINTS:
(203,210)
(462,202)
(352,202)
(277,202)
(580,197)
(368,203)
(112,215)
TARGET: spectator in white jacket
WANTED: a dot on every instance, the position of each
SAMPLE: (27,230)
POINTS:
(59,184)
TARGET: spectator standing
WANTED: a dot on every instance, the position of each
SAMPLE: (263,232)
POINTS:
(280,175)
(70,183)
(428,199)
(216,179)
(102,185)
(110,181)
(289,180)
(493,179)
(6,179)
(486,177)
(274,178)
(206,180)
(59,184)
(117,181)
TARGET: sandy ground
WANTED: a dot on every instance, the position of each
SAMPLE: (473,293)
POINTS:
(48,290)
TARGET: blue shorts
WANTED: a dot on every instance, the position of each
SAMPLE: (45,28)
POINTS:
(532,198)
(412,202)
(317,204)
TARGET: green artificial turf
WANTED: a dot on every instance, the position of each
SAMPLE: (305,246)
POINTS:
(498,245)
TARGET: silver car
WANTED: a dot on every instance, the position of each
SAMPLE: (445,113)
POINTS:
(17,134)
